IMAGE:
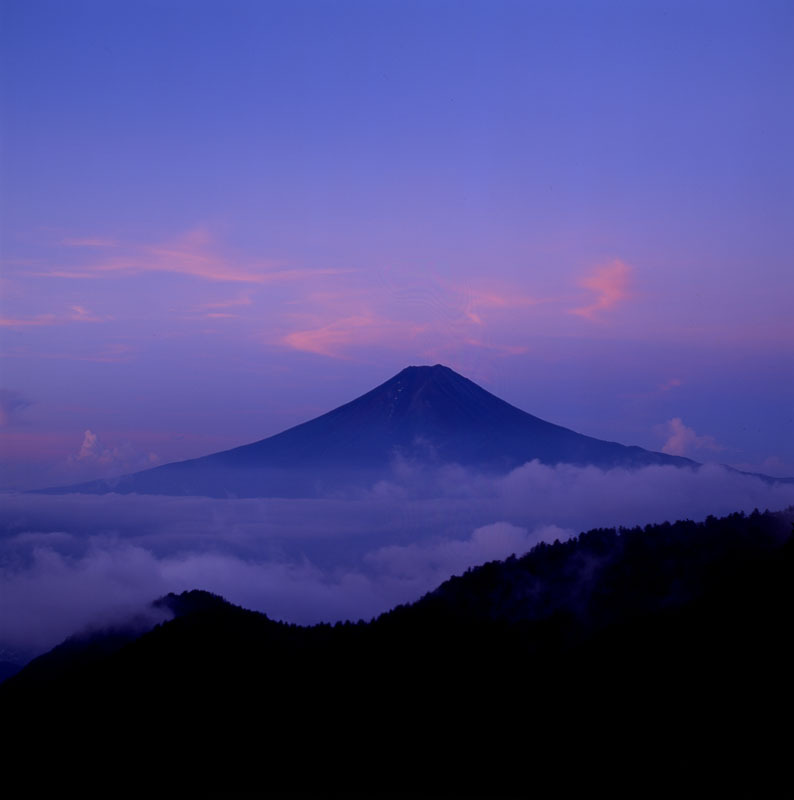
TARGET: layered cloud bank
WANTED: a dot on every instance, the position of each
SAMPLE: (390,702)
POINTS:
(68,562)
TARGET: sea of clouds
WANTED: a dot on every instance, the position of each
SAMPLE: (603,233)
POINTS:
(71,562)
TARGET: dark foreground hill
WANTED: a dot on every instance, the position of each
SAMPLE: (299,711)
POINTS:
(423,414)
(639,662)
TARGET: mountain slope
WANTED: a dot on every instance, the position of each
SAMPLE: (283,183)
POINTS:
(645,656)
(423,414)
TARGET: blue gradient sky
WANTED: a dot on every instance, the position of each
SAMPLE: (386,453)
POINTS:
(221,219)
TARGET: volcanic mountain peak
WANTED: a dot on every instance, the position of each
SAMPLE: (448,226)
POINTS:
(425,371)
(425,392)
(418,377)
(421,414)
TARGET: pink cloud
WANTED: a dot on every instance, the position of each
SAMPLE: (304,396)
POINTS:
(82,314)
(31,322)
(610,284)
(474,302)
(89,242)
(192,254)
(75,314)
(684,441)
(332,339)
(428,317)
(241,300)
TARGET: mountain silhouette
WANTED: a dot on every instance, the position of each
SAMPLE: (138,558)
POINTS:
(423,415)
(654,656)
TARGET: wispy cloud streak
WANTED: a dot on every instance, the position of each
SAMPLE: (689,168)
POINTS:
(192,254)
(30,322)
(610,284)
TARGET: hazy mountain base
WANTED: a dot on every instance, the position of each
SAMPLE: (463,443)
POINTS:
(640,661)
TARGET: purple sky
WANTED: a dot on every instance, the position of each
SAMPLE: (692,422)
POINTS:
(219,219)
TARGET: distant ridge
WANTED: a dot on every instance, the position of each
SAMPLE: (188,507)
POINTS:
(423,414)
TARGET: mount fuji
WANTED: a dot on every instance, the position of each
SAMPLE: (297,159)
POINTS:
(423,415)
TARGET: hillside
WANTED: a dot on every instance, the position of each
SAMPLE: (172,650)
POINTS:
(647,655)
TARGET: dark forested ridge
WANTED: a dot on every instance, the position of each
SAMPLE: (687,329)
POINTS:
(644,660)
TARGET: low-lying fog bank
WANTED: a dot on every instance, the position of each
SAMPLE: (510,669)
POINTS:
(72,561)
